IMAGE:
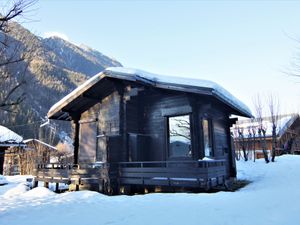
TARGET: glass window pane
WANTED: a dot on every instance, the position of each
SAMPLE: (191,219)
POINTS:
(180,136)
(207,138)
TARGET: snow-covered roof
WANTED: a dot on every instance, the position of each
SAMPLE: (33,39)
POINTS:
(283,123)
(41,142)
(191,85)
(9,137)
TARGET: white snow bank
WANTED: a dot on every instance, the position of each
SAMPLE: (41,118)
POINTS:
(6,135)
(18,178)
(39,192)
(3,180)
(271,199)
(16,191)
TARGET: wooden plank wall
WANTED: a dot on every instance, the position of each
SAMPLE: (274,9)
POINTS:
(222,147)
(109,115)
(160,104)
(101,119)
(220,137)
(87,142)
(146,114)
(157,106)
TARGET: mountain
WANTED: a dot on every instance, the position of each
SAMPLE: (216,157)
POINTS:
(55,68)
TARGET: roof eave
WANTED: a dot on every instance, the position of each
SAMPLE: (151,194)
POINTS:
(58,110)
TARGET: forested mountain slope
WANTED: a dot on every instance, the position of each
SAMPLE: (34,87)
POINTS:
(55,68)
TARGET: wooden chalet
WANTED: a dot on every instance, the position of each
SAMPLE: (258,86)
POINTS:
(135,130)
(8,139)
(23,160)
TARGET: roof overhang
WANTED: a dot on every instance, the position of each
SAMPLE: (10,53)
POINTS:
(62,110)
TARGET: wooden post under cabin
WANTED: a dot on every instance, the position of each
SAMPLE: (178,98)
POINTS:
(2,155)
(56,187)
(35,183)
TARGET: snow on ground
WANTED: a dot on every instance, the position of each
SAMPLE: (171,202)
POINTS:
(270,199)
(3,180)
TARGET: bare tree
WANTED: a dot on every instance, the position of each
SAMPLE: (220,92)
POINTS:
(253,129)
(14,56)
(274,114)
(236,143)
(261,128)
(242,142)
(182,129)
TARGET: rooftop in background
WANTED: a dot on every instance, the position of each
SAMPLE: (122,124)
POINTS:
(190,85)
(9,138)
(27,141)
(284,122)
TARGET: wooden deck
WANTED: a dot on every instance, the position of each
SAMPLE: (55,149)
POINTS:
(202,174)
(85,176)
(109,178)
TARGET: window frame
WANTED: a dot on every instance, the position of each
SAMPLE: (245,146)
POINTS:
(189,114)
(210,136)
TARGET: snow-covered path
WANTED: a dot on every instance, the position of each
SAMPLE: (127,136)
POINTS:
(271,199)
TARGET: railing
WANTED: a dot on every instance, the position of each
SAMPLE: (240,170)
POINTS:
(71,173)
(72,166)
(204,174)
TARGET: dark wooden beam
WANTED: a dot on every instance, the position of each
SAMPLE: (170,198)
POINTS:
(2,162)
(64,115)
(195,128)
(90,97)
(76,140)
(232,121)
(231,148)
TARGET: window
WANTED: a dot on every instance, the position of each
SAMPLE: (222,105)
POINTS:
(179,136)
(207,137)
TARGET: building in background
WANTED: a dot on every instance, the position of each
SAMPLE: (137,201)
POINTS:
(246,135)
(22,160)
(8,139)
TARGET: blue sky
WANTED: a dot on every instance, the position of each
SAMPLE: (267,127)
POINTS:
(244,46)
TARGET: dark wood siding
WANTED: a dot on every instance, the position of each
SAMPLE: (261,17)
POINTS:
(157,106)
(110,145)
(133,125)
(101,120)
(87,137)
(220,120)
(87,142)
(133,115)
(109,120)
(220,139)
